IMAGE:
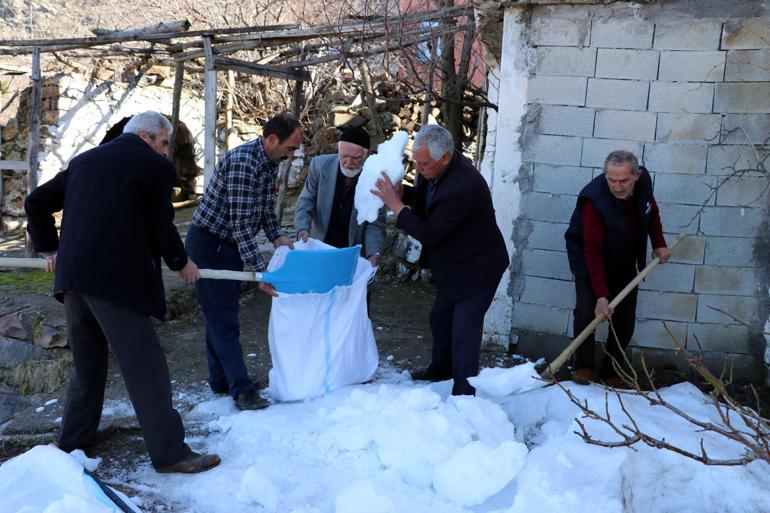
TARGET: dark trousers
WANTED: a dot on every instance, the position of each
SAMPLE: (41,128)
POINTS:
(218,300)
(623,321)
(92,325)
(457,327)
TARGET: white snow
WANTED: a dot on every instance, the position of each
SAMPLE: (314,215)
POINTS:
(395,446)
(388,158)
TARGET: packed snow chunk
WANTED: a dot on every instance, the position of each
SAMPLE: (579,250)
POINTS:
(477,471)
(257,487)
(499,382)
(45,479)
(389,158)
(488,419)
(361,496)
(219,407)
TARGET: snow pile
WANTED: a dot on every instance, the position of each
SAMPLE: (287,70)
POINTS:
(394,445)
(47,480)
(388,158)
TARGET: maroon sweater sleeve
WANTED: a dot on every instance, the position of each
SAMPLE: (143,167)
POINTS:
(656,227)
(593,252)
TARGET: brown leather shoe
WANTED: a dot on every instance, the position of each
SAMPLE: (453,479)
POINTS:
(192,463)
(583,375)
(101,435)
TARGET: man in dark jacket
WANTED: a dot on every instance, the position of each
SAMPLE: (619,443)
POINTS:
(607,245)
(450,212)
(117,224)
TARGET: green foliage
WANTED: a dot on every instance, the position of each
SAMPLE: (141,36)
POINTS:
(35,281)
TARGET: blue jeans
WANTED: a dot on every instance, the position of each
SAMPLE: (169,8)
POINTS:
(219,301)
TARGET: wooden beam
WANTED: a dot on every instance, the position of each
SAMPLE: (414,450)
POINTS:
(33,140)
(175,103)
(229,101)
(100,40)
(171,26)
(15,165)
(258,69)
(283,170)
(210,121)
(271,38)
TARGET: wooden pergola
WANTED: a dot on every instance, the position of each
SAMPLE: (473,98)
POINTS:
(288,52)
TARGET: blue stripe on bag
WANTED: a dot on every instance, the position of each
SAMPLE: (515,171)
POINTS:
(328,340)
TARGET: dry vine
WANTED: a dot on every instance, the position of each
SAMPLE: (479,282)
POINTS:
(738,423)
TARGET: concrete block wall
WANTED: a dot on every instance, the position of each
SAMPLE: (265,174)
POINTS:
(690,96)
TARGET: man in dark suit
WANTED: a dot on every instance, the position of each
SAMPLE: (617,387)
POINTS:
(117,224)
(450,212)
(325,208)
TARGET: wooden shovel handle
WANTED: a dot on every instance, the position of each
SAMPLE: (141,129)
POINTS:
(572,347)
(214,274)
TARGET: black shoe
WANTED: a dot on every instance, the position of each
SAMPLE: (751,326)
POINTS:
(428,374)
(192,463)
(251,400)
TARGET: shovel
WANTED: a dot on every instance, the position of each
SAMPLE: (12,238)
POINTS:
(303,272)
(572,347)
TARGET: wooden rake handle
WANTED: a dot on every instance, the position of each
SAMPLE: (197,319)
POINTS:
(214,274)
(572,347)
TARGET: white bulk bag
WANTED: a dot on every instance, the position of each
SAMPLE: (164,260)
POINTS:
(320,342)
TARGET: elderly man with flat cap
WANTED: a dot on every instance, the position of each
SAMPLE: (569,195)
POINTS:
(325,209)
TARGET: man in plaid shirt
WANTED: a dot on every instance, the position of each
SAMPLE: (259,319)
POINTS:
(237,203)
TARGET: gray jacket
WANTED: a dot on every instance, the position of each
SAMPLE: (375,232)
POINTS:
(313,209)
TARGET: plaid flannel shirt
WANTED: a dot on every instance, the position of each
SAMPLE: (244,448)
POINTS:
(240,200)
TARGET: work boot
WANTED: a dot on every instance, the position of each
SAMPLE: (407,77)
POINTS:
(583,375)
(428,374)
(192,464)
(251,400)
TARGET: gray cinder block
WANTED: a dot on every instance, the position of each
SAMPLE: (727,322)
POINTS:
(692,66)
(681,97)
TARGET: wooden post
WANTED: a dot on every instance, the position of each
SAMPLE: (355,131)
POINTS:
(283,170)
(176,101)
(366,88)
(33,141)
(230,99)
(210,123)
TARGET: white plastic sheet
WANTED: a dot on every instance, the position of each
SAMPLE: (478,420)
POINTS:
(320,342)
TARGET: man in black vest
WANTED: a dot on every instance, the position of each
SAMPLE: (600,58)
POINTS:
(450,212)
(607,245)
(117,225)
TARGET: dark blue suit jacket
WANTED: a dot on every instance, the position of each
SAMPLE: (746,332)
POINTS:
(118,222)
(461,242)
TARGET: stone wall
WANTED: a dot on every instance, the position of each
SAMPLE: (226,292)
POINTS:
(76,114)
(689,94)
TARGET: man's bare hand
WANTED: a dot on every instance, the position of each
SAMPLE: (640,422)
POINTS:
(283,240)
(268,289)
(603,307)
(374,260)
(189,273)
(662,253)
(50,262)
(303,235)
(388,193)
